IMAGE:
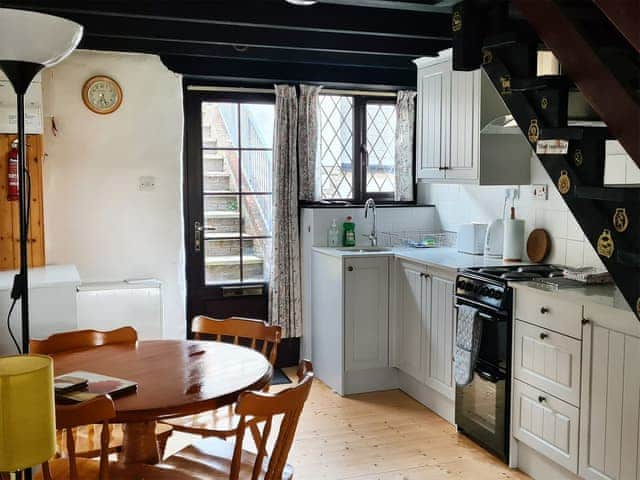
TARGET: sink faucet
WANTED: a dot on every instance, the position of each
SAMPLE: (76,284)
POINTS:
(370,204)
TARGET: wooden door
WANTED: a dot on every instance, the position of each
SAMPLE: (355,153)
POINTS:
(433,117)
(610,408)
(10,211)
(409,323)
(439,319)
(366,313)
(465,126)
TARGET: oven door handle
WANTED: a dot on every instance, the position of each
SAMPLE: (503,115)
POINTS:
(488,375)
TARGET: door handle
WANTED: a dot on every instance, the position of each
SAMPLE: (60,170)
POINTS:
(197,236)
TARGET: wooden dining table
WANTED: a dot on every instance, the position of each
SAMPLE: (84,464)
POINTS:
(174,377)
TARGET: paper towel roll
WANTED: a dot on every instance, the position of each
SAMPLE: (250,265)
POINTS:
(513,239)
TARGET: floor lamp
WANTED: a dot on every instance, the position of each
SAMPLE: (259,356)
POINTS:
(29,42)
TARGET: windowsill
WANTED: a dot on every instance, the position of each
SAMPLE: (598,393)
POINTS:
(360,205)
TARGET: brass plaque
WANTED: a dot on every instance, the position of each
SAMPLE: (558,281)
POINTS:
(605,244)
(577,157)
(487,57)
(621,220)
(456,22)
(505,82)
(534,131)
(564,182)
(544,103)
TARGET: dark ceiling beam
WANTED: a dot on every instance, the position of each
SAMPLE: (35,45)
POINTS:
(328,18)
(234,71)
(197,33)
(258,54)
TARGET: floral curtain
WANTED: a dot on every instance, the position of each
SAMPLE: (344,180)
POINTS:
(308,142)
(285,284)
(405,132)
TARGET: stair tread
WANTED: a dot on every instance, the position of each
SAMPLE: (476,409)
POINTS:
(222,214)
(222,260)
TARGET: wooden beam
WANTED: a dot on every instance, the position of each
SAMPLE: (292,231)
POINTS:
(615,104)
(625,15)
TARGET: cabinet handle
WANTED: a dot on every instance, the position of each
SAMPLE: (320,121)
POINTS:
(543,336)
(350,268)
(544,310)
(542,399)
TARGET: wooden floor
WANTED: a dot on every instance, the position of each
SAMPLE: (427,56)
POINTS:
(382,435)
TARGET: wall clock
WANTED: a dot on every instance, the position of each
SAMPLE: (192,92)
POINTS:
(102,94)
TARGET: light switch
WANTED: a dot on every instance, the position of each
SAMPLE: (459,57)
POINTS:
(146,184)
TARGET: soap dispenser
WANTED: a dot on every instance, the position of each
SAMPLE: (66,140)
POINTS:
(333,235)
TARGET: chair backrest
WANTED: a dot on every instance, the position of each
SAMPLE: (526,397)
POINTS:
(62,342)
(257,333)
(266,406)
(97,410)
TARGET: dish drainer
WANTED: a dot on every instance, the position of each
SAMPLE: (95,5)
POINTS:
(418,239)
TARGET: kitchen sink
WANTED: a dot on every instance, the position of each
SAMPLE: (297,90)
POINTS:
(363,249)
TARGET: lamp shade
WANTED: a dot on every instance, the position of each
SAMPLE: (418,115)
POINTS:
(27,412)
(36,37)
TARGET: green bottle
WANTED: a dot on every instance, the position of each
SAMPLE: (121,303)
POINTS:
(349,233)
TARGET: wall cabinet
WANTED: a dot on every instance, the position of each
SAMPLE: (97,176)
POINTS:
(425,326)
(452,109)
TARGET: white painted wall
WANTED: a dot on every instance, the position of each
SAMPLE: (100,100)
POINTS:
(95,216)
(457,204)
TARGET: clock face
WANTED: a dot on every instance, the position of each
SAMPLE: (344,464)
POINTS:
(102,95)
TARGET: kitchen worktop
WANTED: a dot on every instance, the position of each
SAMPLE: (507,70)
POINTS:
(441,257)
(607,295)
(42,277)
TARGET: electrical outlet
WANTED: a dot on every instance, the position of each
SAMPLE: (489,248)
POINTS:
(540,192)
(146,184)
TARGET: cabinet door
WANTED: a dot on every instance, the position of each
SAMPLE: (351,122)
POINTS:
(465,126)
(432,133)
(366,313)
(409,321)
(610,408)
(439,319)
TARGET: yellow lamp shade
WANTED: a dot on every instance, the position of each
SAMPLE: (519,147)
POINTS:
(27,412)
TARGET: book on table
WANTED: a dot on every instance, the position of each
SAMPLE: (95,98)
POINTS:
(80,386)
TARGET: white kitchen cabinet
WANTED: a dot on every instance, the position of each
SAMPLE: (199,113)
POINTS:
(425,323)
(453,107)
(366,313)
(433,118)
(350,322)
(610,413)
(437,343)
(409,323)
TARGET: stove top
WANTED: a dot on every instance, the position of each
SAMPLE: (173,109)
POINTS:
(488,286)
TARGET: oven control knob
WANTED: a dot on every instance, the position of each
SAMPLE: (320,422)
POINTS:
(484,291)
(462,284)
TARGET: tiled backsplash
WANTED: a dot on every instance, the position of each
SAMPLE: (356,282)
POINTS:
(457,204)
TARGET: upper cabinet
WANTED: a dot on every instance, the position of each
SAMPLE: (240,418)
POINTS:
(463,133)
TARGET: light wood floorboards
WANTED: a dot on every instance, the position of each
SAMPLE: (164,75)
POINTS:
(384,436)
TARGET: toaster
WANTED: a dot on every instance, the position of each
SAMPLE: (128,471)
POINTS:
(471,237)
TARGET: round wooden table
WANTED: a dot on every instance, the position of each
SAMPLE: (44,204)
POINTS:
(175,378)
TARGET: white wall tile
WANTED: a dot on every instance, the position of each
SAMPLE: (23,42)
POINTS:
(575,257)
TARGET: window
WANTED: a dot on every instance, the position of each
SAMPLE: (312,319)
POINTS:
(237,156)
(356,152)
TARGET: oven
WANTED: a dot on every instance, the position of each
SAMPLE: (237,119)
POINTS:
(482,407)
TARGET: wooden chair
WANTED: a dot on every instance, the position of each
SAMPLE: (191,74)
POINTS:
(213,458)
(256,334)
(87,438)
(96,411)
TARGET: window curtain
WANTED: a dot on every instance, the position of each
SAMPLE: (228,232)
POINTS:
(405,132)
(308,142)
(285,284)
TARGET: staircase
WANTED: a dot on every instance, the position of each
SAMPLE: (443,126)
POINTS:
(222,219)
(597,45)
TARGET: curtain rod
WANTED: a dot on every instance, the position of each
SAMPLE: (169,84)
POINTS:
(327,91)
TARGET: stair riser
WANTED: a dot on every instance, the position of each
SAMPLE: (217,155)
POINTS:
(224,225)
(231,273)
(214,164)
(225,204)
(219,248)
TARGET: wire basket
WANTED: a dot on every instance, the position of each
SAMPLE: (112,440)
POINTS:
(418,239)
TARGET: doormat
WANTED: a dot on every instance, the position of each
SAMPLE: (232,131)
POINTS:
(279,377)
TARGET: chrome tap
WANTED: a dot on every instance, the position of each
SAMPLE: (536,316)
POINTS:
(370,204)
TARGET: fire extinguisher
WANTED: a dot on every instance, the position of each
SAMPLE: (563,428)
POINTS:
(13,192)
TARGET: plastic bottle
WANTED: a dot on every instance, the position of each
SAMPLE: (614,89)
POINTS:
(333,235)
(349,233)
